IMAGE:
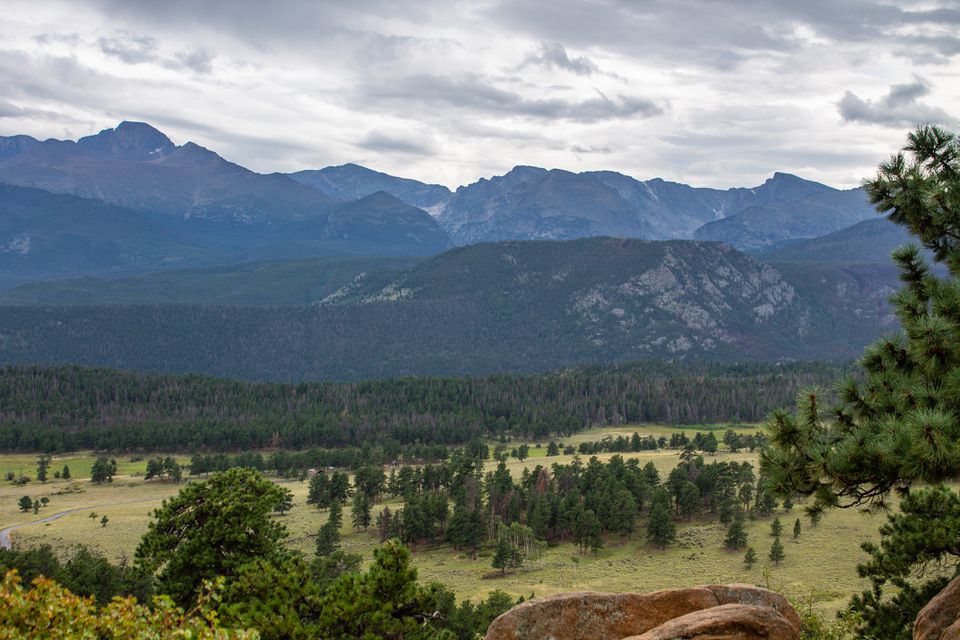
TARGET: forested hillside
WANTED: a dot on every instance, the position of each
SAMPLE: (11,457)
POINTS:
(504,307)
(66,408)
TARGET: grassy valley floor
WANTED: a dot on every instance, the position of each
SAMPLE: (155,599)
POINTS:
(819,569)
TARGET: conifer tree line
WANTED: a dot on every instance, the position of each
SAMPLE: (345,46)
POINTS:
(456,502)
(294,464)
(69,408)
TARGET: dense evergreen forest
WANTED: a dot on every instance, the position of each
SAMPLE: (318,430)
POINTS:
(68,408)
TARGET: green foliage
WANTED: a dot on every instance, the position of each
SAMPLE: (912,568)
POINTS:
(796,529)
(43,463)
(211,528)
(163,467)
(48,611)
(749,558)
(469,621)
(103,470)
(71,408)
(661,530)
(502,555)
(82,571)
(776,551)
(900,427)
(776,528)
(26,504)
(736,534)
(360,511)
(385,602)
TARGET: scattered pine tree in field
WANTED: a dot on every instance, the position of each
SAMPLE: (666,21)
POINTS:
(796,529)
(360,511)
(749,558)
(736,534)
(43,463)
(661,530)
(501,556)
(776,551)
(776,528)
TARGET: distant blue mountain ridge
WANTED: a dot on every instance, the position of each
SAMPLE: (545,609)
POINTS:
(129,200)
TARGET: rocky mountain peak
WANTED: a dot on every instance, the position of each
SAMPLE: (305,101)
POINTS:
(129,141)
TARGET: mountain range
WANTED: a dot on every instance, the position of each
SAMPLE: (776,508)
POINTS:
(124,249)
(202,209)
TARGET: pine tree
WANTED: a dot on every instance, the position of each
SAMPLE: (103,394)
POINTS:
(501,556)
(65,474)
(749,558)
(384,523)
(360,509)
(43,463)
(776,551)
(897,429)
(776,528)
(796,529)
(661,530)
(328,539)
(335,517)
(103,470)
(736,534)
(26,504)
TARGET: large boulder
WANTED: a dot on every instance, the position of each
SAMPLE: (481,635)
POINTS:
(596,616)
(749,594)
(940,618)
(736,610)
(726,622)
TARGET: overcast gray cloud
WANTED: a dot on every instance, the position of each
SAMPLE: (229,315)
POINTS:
(554,54)
(709,92)
(901,107)
(475,93)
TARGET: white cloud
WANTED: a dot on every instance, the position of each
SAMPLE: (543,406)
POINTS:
(710,93)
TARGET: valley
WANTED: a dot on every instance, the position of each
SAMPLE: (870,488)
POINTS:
(819,570)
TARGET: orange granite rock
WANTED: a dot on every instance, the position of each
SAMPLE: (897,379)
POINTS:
(726,622)
(940,618)
(609,616)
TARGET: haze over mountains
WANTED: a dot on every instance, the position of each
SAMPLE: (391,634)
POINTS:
(127,217)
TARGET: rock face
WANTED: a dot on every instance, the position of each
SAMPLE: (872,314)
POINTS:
(940,619)
(728,621)
(712,612)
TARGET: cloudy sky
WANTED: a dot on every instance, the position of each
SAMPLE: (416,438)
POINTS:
(707,92)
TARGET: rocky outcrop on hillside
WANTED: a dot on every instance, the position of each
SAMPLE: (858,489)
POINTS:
(711,612)
(940,619)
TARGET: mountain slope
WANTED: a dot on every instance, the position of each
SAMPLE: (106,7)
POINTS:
(776,223)
(353,182)
(870,241)
(291,282)
(511,306)
(138,167)
(46,235)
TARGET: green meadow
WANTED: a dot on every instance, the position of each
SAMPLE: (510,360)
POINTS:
(819,569)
